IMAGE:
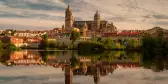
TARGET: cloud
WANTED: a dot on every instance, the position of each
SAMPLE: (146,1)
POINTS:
(50,75)
(35,4)
(25,23)
(160,16)
(145,13)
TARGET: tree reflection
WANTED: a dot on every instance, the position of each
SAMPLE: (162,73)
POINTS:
(157,59)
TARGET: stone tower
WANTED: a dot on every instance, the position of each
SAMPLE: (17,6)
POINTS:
(84,31)
(68,20)
(63,28)
(97,20)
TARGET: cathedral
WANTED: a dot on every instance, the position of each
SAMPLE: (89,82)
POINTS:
(96,25)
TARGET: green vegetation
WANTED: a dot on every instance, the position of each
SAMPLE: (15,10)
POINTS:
(46,44)
(52,44)
(74,36)
(100,44)
(1,45)
(94,47)
(154,51)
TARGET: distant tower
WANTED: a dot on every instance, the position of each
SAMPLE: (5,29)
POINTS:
(84,31)
(97,20)
(68,19)
(63,28)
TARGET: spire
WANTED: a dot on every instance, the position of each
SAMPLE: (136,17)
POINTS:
(97,15)
(68,11)
(85,25)
(62,26)
(68,6)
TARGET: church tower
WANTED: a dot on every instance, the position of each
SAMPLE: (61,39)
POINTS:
(84,31)
(68,20)
(63,28)
(97,20)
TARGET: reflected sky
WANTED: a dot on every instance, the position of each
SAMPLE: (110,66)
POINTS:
(51,75)
(119,67)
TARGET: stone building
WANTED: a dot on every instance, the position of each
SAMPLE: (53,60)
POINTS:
(95,25)
(68,19)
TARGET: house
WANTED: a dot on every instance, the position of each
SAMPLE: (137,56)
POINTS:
(33,42)
(28,33)
(18,42)
(25,58)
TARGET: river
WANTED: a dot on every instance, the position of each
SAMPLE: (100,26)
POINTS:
(112,67)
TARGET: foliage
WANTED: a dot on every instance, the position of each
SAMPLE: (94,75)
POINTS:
(133,43)
(11,47)
(10,32)
(109,43)
(1,45)
(43,44)
(63,47)
(52,44)
(74,60)
(89,46)
(44,37)
(74,36)
(151,42)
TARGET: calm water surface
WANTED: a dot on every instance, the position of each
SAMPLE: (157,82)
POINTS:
(110,67)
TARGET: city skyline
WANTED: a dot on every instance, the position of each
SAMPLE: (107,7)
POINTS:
(48,14)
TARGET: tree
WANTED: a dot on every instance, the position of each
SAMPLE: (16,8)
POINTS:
(133,43)
(44,42)
(74,60)
(109,43)
(11,47)
(52,44)
(1,45)
(74,36)
(44,37)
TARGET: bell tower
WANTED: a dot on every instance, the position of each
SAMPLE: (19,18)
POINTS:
(97,20)
(68,20)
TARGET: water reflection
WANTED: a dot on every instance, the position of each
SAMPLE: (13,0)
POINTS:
(95,65)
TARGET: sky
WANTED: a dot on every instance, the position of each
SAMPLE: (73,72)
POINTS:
(49,14)
(50,75)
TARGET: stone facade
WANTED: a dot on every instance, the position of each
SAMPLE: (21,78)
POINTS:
(96,25)
(68,19)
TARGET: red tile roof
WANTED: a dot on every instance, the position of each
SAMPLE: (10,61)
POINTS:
(123,33)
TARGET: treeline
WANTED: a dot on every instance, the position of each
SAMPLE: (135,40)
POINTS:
(155,53)
(5,50)
(100,45)
(150,42)
(46,44)
(8,47)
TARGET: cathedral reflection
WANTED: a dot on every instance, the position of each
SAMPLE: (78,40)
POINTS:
(100,68)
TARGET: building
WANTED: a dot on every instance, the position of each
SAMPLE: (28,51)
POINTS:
(25,58)
(1,31)
(28,33)
(96,25)
(18,42)
(124,34)
(32,42)
(68,20)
